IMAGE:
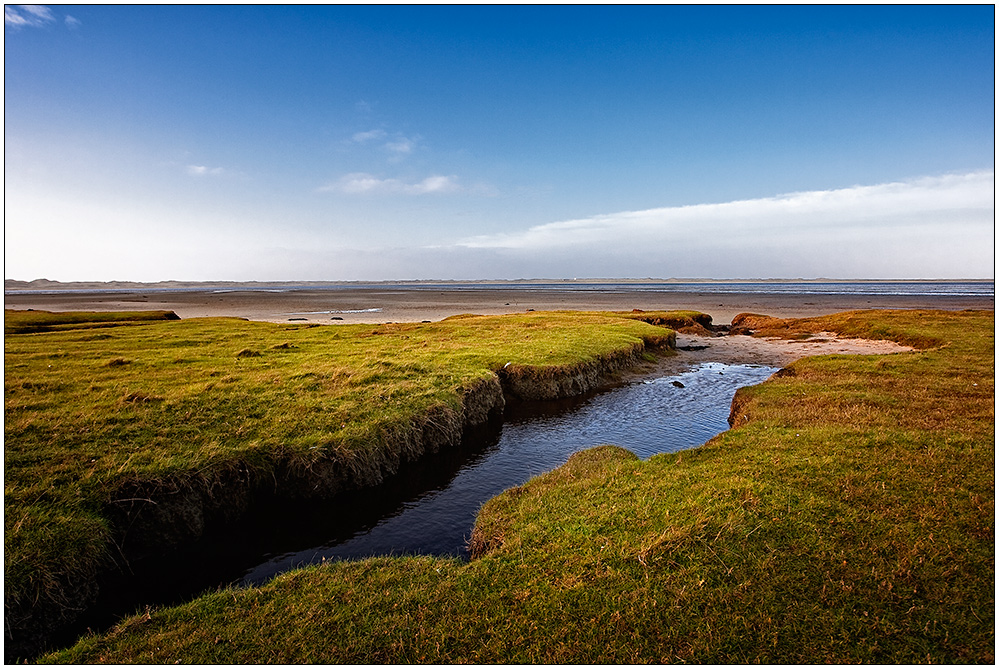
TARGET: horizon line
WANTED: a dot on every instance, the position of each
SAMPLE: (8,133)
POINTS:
(44,281)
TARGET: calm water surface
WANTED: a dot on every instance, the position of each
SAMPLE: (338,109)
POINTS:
(656,416)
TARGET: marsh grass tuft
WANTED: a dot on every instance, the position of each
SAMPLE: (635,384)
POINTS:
(847,324)
(688,322)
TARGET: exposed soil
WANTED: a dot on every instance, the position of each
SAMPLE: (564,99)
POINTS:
(773,352)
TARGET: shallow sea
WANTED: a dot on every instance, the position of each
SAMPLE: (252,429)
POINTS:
(983,288)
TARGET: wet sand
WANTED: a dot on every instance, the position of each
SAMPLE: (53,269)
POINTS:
(693,350)
(398,304)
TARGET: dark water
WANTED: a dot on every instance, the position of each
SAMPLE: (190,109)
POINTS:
(656,416)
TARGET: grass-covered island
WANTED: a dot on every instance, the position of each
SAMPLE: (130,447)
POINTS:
(848,516)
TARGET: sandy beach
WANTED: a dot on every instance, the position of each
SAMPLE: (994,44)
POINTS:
(405,303)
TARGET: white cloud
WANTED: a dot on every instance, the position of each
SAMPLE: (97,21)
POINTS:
(397,146)
(72,22)
(38,12)
(400,148)
(363,137)
(930,227)
(203,171)
(359,183)
(949,199)
(20,16)
(434,184)
(401,145)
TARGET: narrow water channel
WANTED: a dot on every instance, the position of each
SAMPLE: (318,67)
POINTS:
(430,507)
(660,415)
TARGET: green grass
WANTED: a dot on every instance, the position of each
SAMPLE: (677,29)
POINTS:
(848,518)
(31,320)
(98,406)
(680,320)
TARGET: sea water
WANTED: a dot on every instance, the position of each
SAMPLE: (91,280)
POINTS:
(980,288)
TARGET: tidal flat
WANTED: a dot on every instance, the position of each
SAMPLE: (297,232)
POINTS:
(415,301)
(848,516)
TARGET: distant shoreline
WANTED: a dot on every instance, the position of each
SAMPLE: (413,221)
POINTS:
(15,285)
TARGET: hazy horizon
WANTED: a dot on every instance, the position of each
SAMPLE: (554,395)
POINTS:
(532,280)
(408,143)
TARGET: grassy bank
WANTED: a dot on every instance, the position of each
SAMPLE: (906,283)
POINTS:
(127,432)
(32,321)
(849,517)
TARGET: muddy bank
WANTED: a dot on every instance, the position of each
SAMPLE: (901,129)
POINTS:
(149,517)
(543,383)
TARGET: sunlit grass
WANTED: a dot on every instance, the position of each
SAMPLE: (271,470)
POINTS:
(848,518)
(99,404)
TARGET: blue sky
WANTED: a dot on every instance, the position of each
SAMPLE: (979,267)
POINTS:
(398,142)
